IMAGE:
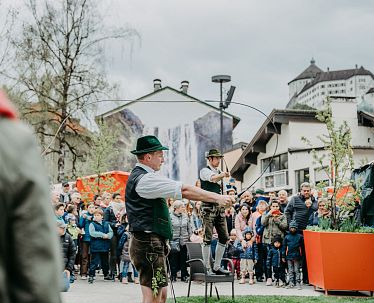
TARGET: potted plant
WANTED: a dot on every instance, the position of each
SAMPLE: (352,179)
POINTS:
(339,250)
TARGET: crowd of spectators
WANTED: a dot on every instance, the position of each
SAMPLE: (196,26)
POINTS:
(266,236)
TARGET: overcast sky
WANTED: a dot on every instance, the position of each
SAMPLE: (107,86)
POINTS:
(262,44)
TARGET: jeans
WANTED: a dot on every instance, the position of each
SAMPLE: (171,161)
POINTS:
(125,269)
(113,255)
(294,270)
(65,283)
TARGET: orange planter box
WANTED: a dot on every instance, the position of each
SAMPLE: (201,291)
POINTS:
(340,260)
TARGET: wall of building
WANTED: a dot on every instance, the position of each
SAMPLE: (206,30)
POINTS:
(302,158)
(187,127)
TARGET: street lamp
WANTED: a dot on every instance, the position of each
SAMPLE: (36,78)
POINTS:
(223,105)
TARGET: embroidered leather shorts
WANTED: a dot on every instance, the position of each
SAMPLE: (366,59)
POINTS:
(148,255)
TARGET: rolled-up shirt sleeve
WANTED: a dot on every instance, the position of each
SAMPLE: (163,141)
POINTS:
(153,186)
(206,174)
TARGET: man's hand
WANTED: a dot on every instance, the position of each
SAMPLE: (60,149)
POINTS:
(105,236)
(226,174)
(226,201)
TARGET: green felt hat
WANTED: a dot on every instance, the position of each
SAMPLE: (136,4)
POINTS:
(148,144)
(214,153)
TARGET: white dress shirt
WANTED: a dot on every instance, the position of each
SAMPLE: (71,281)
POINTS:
(153,186)
(206,174)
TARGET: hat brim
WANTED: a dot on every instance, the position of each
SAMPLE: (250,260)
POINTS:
(214,155)
(149,150)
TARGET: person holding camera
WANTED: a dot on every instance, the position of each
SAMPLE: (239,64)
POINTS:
(275,225)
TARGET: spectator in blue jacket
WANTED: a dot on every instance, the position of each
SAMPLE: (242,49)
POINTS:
(248,256)
(275,263)
(84,223)
(100,233)
(292,250)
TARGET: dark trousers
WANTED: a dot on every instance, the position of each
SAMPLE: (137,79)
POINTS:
(279,273)
(85,258)
(260,266)
(214,216)
(113,260)
(177,262)
(304,265)
(99,258)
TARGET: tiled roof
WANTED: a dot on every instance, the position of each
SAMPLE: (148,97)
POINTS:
(310,73)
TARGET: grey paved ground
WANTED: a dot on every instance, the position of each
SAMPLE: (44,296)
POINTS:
(108,292)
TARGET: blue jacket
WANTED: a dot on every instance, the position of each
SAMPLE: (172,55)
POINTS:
(292,246)
(85,224)
(274,258)
(250,252)
(97,231)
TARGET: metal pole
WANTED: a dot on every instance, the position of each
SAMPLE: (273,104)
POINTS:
(221,131)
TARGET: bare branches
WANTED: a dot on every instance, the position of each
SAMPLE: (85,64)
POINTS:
(57,69)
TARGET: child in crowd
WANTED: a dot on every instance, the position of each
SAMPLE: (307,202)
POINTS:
(84,222)
(275,263)
(125,258)
(100,233)
(74,231)
(233,253)
(59,212)
(69,250)
(248,256)
(292,250)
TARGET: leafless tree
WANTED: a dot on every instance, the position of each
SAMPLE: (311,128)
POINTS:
(59,70)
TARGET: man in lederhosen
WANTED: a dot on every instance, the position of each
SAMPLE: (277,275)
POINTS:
(148,215)
(214,214)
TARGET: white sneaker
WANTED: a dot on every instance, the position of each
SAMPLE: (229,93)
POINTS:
(281,284)
(269,282)
(84,278)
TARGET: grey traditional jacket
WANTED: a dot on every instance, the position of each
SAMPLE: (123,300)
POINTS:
(181,227)
(30,260)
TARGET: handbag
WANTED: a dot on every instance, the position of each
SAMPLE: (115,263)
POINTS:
(175,246)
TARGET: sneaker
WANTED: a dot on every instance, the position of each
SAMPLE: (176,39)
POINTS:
(291,285)
(90,280)
(242,281)
(251,282)
(108,277)
(299,286)
(269,282)
(84,277)
(277,284)
(281,284)
(136,280)
(124,281)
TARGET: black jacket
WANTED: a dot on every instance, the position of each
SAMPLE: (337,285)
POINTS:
(297,210)
(69,251)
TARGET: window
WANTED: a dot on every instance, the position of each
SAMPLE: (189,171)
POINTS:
(321,175)
(301,176)
(279,162)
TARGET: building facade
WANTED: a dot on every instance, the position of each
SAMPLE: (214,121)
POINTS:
(187,125)
(292,163)
(313,85)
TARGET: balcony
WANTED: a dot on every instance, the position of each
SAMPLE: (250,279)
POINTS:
(275,180)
